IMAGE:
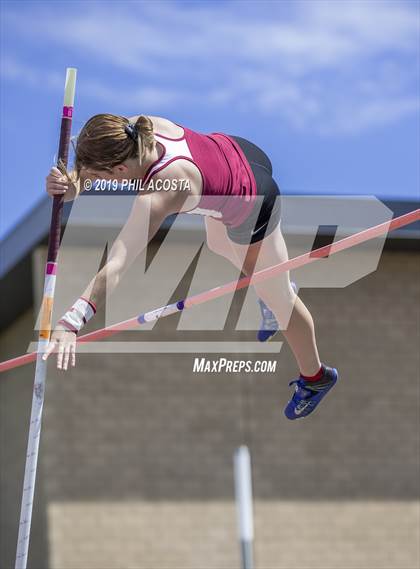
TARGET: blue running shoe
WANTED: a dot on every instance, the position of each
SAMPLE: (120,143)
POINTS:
(307,396)
(269,325)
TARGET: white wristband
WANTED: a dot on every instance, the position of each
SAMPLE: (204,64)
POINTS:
(78,315)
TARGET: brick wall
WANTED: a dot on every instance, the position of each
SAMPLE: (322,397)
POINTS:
(136,450)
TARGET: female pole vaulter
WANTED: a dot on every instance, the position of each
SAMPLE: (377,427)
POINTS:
(243,228)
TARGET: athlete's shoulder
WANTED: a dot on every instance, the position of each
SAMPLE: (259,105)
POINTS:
(166,127)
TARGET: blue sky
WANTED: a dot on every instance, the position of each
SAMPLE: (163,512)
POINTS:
(329,89)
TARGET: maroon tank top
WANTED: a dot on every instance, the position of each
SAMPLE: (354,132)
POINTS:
(229,186)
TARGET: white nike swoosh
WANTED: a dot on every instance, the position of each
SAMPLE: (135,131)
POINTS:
(302,409)
(259,229)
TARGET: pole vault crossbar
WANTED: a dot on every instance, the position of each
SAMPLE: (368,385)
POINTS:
(217,292)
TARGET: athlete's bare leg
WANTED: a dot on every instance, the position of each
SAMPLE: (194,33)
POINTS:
(218,241)
(293,317)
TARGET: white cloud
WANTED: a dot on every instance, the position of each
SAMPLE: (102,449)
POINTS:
(374,113)
(313,65)
(12,68)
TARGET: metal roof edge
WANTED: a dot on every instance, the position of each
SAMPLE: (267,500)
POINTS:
(34,227)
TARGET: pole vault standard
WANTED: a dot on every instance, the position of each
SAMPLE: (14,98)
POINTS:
(222,290)
(44,333)
(243,499)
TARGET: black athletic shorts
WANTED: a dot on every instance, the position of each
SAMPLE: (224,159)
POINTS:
(265,216)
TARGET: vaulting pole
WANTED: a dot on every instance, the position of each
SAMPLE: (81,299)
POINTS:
(300,261)
(44,334)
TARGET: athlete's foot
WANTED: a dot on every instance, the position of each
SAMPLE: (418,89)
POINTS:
(269,325)
(308,394)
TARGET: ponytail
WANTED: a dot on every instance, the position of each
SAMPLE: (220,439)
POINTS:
(146,139)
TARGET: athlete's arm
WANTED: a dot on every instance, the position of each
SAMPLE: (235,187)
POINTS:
(148,211)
